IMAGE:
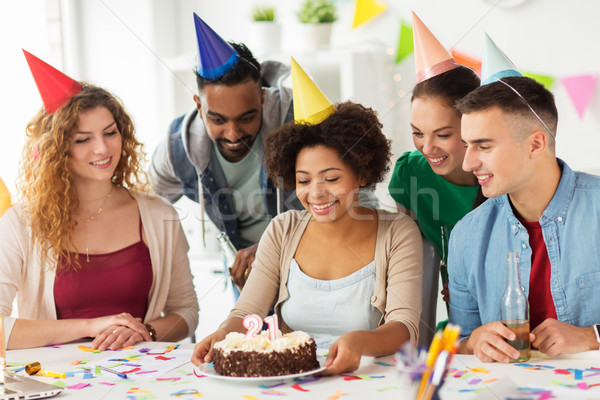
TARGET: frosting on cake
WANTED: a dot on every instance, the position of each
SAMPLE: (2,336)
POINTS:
(291,353)
(235,341)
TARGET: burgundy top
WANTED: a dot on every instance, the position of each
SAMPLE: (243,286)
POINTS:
(109,284)
(541,303)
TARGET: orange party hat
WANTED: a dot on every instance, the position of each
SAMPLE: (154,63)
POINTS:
(431,58)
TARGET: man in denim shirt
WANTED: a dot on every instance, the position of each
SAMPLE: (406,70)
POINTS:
(538,206)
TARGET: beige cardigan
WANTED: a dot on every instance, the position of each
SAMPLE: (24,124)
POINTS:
(398,259)
(24,275)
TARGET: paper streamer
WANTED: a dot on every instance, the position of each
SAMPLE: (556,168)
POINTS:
(581,90)
(366,10)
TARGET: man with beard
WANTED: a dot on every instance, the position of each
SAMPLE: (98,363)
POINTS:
(214,153)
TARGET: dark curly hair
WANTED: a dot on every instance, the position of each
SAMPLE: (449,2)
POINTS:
(353,130)
(245,67)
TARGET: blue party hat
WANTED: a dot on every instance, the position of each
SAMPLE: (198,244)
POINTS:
(495,65)
(216,57)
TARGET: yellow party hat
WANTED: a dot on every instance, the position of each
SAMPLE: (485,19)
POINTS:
(4,197)
(311,106)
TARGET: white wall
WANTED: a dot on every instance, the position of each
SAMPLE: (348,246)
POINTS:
(143,50)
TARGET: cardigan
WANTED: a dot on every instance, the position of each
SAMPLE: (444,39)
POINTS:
(24,275)
(398,260)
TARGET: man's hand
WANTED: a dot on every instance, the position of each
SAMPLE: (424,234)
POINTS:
(554,337)
(488,343)
(243,265)
(445,293)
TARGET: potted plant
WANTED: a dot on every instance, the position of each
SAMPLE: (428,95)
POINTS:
(316,18)
(266,33)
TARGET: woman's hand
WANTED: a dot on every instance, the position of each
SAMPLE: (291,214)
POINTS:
(203,350)
(116,337)
(344,354)
(103,328)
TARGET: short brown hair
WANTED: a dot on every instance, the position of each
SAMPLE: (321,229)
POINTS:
(501,96)
(352,130)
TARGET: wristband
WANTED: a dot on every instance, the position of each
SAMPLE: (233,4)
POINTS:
(151,332)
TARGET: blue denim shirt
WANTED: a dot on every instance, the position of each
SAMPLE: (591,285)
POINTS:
(571,229)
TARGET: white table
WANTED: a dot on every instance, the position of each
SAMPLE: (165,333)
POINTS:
(380,379)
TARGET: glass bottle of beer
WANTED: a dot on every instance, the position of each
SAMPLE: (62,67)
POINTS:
(514,309)
(227,249)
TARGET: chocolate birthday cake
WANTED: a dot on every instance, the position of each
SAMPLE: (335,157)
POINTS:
(291,353)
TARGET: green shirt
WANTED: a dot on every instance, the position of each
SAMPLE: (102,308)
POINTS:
(433,200)
(243,179)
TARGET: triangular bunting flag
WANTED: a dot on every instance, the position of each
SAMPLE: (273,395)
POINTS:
(366,10)
(467,61)
(4,197)
(311,106)
(405,42)
(581,89)
(545,80)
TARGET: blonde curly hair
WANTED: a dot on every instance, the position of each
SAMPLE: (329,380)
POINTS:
(45,176)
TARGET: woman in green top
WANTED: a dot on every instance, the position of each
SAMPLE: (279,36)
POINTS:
(429,184)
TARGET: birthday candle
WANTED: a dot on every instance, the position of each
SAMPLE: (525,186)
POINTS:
(253,324)
(273,323)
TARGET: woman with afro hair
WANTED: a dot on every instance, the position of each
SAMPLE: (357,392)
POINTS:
(348,275)
(88,251)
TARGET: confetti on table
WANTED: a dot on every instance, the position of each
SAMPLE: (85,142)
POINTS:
(171,348)
(474,381)
(383,364)
(298,387)
(107,383)
(144,350)
(77,362)
(60,384)
(562,372)
(84,348)
(79,386)
(338,393)
(137,390)
(88,375)
(364,377)
(184,372)
(146,372)
(349,377)
(306,380)
(163,358)
(272,392)
(479,370)
(175,378)
(132,364)
(491,380)
(187,392)
(131,371)
(248,397)
(384,389)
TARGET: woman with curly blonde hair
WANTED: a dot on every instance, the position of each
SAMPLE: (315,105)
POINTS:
(87,251)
